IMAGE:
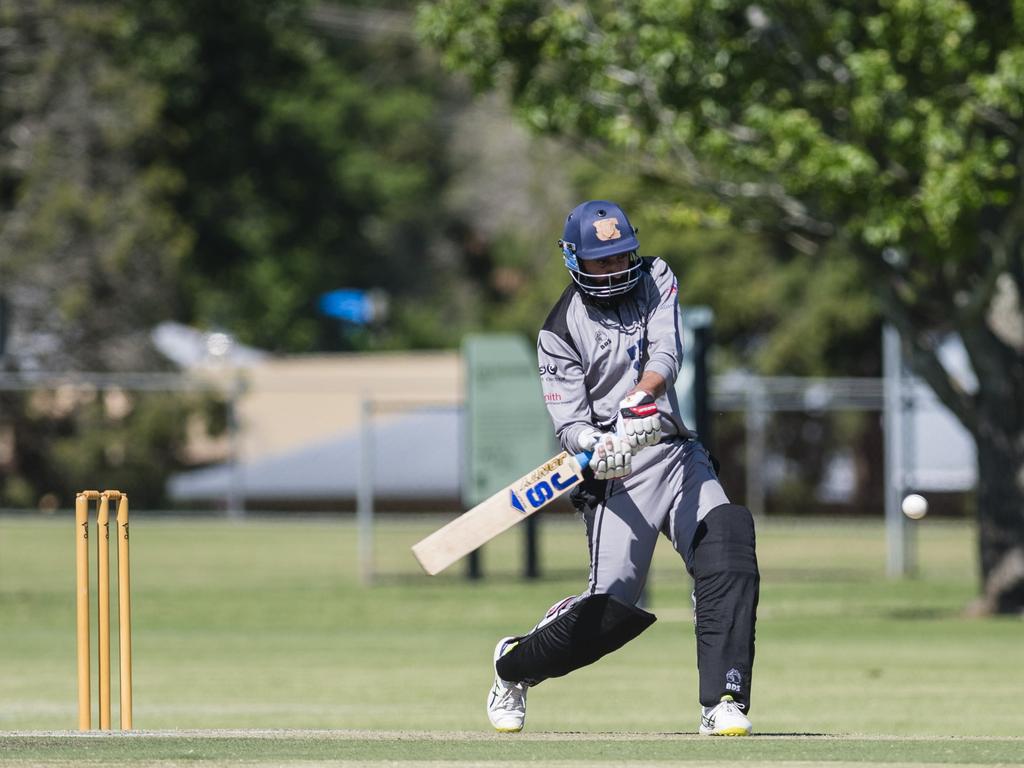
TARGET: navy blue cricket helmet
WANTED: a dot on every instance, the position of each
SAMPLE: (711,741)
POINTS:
(598,229)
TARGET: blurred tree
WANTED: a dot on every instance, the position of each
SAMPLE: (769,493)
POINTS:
(69,438)
(781,323)
(891,129)
(223,164)
(89,250)
(311,145)
(89,244)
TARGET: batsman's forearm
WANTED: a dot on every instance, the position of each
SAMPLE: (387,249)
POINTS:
(652,383)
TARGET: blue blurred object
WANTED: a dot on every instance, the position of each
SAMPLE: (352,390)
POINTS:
(349,304)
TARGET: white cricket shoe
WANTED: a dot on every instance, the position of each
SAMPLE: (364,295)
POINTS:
(724,719)
(506,703)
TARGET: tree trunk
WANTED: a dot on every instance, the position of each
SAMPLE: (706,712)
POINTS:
(1000,498)
(994,415)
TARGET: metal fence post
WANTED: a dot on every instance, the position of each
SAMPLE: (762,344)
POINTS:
(755,418)
(235,502)
(364,493)
(897,534)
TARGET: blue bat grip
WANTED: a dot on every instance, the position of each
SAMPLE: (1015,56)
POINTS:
(583,458)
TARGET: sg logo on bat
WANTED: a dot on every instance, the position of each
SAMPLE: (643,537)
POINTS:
(541,492)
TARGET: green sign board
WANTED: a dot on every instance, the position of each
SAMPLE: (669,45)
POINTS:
(508,431)
(691,382)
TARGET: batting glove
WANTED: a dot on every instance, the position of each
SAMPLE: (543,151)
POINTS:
(638,423)
(588,439)
(612,458)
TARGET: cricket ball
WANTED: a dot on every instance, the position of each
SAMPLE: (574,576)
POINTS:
(915,506)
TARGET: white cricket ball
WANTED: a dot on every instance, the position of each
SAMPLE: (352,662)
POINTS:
(915,506)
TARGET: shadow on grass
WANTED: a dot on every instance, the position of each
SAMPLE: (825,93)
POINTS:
(921,613)
(785,735)
(457,574)
(818,575)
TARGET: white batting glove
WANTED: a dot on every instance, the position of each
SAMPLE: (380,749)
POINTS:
(638,423)
(588,439)
(612,458)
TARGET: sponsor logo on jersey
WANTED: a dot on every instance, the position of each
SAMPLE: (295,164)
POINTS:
(607,229)
(552,397)
(549,373)
(603,342)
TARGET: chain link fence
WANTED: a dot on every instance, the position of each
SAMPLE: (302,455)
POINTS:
(218,443)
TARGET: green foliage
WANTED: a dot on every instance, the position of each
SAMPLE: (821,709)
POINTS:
(768,316)
(89,244)
(888,131)
(892,124)
(309,164)
(66,440)
(90,247)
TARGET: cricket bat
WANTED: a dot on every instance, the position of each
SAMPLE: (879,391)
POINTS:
(501,511)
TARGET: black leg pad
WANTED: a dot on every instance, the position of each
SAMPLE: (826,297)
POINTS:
(593,627)
(726,590)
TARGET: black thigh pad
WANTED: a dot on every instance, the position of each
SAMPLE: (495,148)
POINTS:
(593,627)
(724,541)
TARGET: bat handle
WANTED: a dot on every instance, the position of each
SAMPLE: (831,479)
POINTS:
(583,458)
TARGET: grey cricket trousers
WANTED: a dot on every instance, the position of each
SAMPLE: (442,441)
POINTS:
(674,490)
(671,489)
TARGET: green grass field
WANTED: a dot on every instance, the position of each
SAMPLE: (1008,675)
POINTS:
(255,644)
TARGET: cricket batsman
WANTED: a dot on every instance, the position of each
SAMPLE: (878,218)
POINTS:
(608,354)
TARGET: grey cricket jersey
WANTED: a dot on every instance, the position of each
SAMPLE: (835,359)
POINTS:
(591,353)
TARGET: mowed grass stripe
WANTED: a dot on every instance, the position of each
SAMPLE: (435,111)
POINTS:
(264,625)
(487,735)
(616,764)
(501,764)
(326,748)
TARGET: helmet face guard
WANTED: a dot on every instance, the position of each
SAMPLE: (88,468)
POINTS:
(604,285)
(596,230)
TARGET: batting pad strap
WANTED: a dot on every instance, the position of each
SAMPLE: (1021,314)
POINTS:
(593,627)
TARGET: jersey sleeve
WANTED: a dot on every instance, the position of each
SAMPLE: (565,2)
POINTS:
(664,339)
(561,377)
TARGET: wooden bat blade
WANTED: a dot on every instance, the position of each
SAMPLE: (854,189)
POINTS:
(513,503)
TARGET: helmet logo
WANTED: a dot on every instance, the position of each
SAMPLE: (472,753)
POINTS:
(607,229)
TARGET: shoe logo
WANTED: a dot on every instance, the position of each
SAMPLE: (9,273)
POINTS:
(733,680)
